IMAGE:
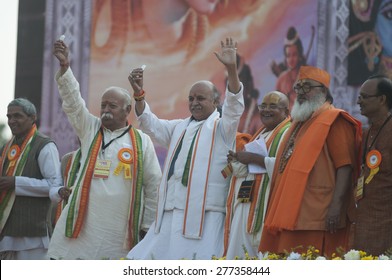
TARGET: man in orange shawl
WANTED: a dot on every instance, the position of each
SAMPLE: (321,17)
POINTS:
(314,174)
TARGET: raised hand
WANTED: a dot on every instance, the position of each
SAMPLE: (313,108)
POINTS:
(228,52)
(135,78)
(61,51)
(228,57)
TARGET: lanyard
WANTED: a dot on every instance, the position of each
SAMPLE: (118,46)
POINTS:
(104,146)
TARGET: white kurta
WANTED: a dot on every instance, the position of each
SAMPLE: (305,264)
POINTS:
(167,240)
(103,232)
(239,238)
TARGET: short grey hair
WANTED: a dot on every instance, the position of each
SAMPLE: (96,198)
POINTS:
(27,107)
(123,91)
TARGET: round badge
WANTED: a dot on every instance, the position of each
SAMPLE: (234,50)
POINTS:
(125,155)
(13,152)
(373,159)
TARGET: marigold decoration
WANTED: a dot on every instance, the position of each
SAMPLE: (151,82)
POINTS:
(313,254)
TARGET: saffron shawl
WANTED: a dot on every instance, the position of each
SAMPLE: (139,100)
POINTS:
(7,198)
(284,206)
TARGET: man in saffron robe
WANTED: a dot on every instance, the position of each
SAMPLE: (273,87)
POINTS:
(314,173)
(113,200)
(29,170)
(246,204)
(192,194)
(373,223)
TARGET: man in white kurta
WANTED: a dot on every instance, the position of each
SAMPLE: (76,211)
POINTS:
(104,229)
(191,201)
(245,219)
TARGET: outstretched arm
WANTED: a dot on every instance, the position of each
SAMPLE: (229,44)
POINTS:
(135,78)
(227,56)
(72,102)
(60,51)
(246,157)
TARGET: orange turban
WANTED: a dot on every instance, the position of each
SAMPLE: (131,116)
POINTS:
(314,73)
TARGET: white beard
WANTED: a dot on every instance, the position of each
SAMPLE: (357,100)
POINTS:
(302,112)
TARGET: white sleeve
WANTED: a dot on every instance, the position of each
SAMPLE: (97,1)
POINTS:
(159,130)
(49,165)
(54,194)
(152,178)
(232,109)
(74,105)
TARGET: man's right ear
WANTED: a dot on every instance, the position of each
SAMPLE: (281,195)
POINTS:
(34,118)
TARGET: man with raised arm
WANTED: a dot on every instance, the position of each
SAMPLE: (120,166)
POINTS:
(192,194)
(113,201)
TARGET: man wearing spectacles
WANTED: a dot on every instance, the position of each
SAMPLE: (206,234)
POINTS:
(249,190)
(312,181)
(373,227)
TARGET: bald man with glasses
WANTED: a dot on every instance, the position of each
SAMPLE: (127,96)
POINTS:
(250,187)
(373,227)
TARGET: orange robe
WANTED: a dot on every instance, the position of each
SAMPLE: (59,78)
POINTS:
(301,194)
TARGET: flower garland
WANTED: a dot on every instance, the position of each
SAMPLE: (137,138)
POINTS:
(314,254)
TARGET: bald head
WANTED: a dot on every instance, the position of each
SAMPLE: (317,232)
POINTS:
(273,109)
(115,108)
(281,99)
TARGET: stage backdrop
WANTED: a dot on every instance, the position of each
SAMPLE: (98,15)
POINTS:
(176,40)
(177,43)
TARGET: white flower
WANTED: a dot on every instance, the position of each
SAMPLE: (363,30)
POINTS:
(262,256)
(320,258)
(383,257)
(294,256)
(352,255)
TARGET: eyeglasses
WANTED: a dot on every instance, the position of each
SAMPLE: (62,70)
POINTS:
(366,96)
(306,88)
(271,107)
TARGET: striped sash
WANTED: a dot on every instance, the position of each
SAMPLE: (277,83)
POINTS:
(14,168)
(79,200)
(261,191)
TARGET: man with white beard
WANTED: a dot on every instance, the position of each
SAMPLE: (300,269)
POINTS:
(314,174)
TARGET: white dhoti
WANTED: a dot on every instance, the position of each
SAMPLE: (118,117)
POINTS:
(169,243)
(241,241)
